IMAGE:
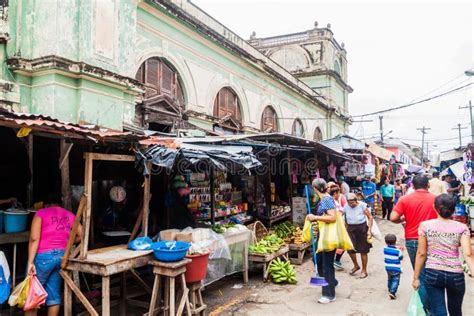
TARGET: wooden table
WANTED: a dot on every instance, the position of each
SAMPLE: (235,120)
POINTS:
(170,271)
(300,250)
(103,262)
(14,238)
(267,259)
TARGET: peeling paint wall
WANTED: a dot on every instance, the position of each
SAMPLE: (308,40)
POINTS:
(118,35)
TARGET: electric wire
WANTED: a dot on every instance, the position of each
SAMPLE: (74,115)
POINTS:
(416,102)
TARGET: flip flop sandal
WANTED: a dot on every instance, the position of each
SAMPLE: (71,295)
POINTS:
(353,271)
(363,276)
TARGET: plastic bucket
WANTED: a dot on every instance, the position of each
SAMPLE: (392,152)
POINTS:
(196,270)
(2,215)
(15,221)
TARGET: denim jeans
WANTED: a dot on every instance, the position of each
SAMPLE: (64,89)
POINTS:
(47,266)
(370,205)
(412,248)
(325,262)
(438,283)
(393,281)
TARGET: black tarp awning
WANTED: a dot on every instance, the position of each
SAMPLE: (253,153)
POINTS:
(222,157)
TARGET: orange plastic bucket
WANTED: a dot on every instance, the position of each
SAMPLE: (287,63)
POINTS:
(196,270)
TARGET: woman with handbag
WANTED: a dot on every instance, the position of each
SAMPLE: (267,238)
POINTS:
(326,213)
(359,225)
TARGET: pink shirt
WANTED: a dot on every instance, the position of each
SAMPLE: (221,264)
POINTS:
(56,224)
(443,242)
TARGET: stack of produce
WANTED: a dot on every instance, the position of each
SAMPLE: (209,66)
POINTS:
(282,272)
(298,236)
(268,244)
(285,231)
(222,228)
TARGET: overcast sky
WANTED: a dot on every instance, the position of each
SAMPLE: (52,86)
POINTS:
(397,51)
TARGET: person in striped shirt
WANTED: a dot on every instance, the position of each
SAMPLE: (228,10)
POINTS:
(392,257)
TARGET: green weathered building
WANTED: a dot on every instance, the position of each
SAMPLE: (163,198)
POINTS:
(165,66)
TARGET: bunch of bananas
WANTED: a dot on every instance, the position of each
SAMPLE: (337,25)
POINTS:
(298,236)
(284,230)
(269,244)
(282,271)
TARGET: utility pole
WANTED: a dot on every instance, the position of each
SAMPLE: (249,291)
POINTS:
(381,129)
(459,128)
(423,132)
(472,123)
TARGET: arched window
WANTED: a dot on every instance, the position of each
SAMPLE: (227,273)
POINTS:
(318,135)
(160,80)
(269,120)
(298,128)
(227,109)
(337,67)
(163,101)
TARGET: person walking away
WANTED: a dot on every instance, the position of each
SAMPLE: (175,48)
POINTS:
(326,212)
(437,186)
(369,189)
(359,222)
(398,191)
(387,191)
(49,235)
(392,258)
(345,189)
(412,209)
(453,186)
(340,201)
(438,245)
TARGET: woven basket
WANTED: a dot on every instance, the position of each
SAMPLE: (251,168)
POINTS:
(259,231)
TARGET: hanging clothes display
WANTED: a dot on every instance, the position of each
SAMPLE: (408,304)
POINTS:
(332,169)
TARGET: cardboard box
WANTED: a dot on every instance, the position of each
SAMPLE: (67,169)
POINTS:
(169,234)
(188,236)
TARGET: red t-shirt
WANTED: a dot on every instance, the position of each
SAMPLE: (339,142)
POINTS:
(417,207)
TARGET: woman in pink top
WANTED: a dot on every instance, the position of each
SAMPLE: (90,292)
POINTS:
(49,235)
(438,245)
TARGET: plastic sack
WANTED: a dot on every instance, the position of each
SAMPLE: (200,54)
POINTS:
(19,294)
(36,294)
(375,231)
(140,243)
(334,236)
(415,307)
(306,235)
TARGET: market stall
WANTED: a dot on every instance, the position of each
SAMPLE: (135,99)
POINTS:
(103,262)
(203,184)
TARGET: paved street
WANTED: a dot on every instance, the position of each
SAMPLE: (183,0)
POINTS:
(354,296)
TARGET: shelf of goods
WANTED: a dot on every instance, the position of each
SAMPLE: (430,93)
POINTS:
(228,201)
(278,212)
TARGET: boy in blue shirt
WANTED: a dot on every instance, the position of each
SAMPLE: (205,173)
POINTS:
(392,257)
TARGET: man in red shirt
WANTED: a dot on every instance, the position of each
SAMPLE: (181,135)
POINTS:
(413,209)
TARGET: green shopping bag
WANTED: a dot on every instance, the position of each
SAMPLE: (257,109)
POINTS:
(415,307)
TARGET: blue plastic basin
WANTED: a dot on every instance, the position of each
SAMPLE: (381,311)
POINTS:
(15,221)
(162,251)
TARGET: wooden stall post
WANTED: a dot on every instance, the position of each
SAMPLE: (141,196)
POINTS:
(29,146)
(86,222)
(72,236)
(290,184)
(146,202)
(66,193)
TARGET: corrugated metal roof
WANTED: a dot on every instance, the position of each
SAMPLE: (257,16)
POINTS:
(48,124)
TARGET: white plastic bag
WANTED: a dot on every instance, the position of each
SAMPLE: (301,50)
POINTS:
(375,231)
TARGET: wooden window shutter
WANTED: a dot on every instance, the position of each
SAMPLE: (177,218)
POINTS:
(167,78)
(152,68)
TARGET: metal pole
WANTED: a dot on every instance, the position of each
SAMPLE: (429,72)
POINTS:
(472,124)
(381,128)
(459,128)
